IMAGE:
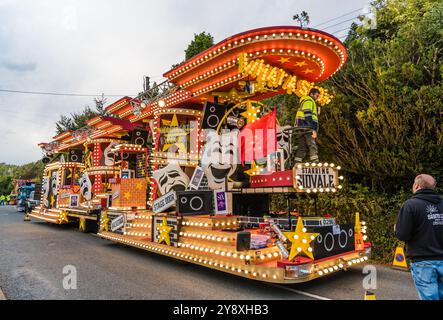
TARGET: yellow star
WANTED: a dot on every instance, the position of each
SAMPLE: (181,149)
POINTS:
(254,169)
(127,195)
(300,241)
(82,224)
(165,230)
(300,63)
(139,185)
(284,60)
(104,222)
(251,112)
(63,217)
(52,200)
(308,71)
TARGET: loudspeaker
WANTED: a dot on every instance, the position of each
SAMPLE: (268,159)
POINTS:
(139,137)
(194,202)
(333,240)
(75,155)
(46,160)
(243,241)
(212,115)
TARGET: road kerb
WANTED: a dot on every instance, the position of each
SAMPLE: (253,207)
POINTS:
(2,296)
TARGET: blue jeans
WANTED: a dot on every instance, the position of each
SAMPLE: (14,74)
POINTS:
(428,279)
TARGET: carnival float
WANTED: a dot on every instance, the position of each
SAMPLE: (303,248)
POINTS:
(187,169)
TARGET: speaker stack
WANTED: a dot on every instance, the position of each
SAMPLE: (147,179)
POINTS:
(212,115)
(139,137)
(75,155)
(194,202)
(243,241)
(333,240)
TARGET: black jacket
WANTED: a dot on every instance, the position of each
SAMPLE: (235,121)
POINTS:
(420,225)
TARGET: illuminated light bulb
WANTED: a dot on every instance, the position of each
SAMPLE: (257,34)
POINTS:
(299,166)
(340,266)
(296,237)
(228,254)
(304,241)
(340,187)
(326,271)
(248,257)
(299,249)
(349,263)
(269,255)
(310,249)
(217,252)
(338,168)
(304,229)
(330,269)
(307,164)
(262,257)
(365,237)
(234,255)
(275,254)
(320,273)
(335,268)
(314,190)
(308,191)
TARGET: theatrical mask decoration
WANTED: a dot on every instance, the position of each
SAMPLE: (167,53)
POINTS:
(45,190)
(283,140)
(108,155)
(54,182)
(86,187)
(220,157)
(171,178)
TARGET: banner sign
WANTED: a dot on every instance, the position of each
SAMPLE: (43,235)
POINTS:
(118,223)
(165,202)
(323,178)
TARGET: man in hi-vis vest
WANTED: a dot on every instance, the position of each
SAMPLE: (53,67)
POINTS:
(307,116)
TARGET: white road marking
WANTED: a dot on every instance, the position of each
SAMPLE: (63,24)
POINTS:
(307,294)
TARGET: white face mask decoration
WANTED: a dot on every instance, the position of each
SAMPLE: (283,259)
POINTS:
(108,155)
(220,157)
(45,190)
(171,178)
(54,183)
(86,187)
(283,141)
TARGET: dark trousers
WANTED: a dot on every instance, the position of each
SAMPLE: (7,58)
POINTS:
(306,144)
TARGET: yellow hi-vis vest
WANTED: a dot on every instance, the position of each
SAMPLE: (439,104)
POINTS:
(308,108)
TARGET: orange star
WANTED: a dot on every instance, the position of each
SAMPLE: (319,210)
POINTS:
(300,63)
(308,71)
(284,60)
(127,195)
(139,185)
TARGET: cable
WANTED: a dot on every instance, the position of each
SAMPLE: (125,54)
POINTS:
(344,15)
(61,94)
(337,24)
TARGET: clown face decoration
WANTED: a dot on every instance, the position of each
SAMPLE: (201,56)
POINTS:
(45,190)
(283,141)
(220,157)
(171,178)
(86,187)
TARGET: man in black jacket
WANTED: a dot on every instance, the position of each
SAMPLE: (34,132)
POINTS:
(420,225)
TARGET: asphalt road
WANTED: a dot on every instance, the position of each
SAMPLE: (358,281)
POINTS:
(33,255)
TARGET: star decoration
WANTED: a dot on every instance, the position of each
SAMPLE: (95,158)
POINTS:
(52,200)
(105,221)
(139,186)
(300,63)
(127,195)
(63,217)
(284,60)
(173,137)
(254,169)
(306,71)
(165,230)
(300,241)
(82,224)
(251,112)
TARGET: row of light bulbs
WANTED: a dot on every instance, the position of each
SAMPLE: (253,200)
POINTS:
(199,259)
(218,84)
(203,236)
(229,45)
(341,266)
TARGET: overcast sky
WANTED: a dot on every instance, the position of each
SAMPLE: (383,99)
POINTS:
(107,46)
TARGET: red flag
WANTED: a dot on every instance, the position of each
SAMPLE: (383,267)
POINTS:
(259,139)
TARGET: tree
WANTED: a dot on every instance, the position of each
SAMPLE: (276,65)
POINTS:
(200,43)
(385,122)
(302,18)
(78,120)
